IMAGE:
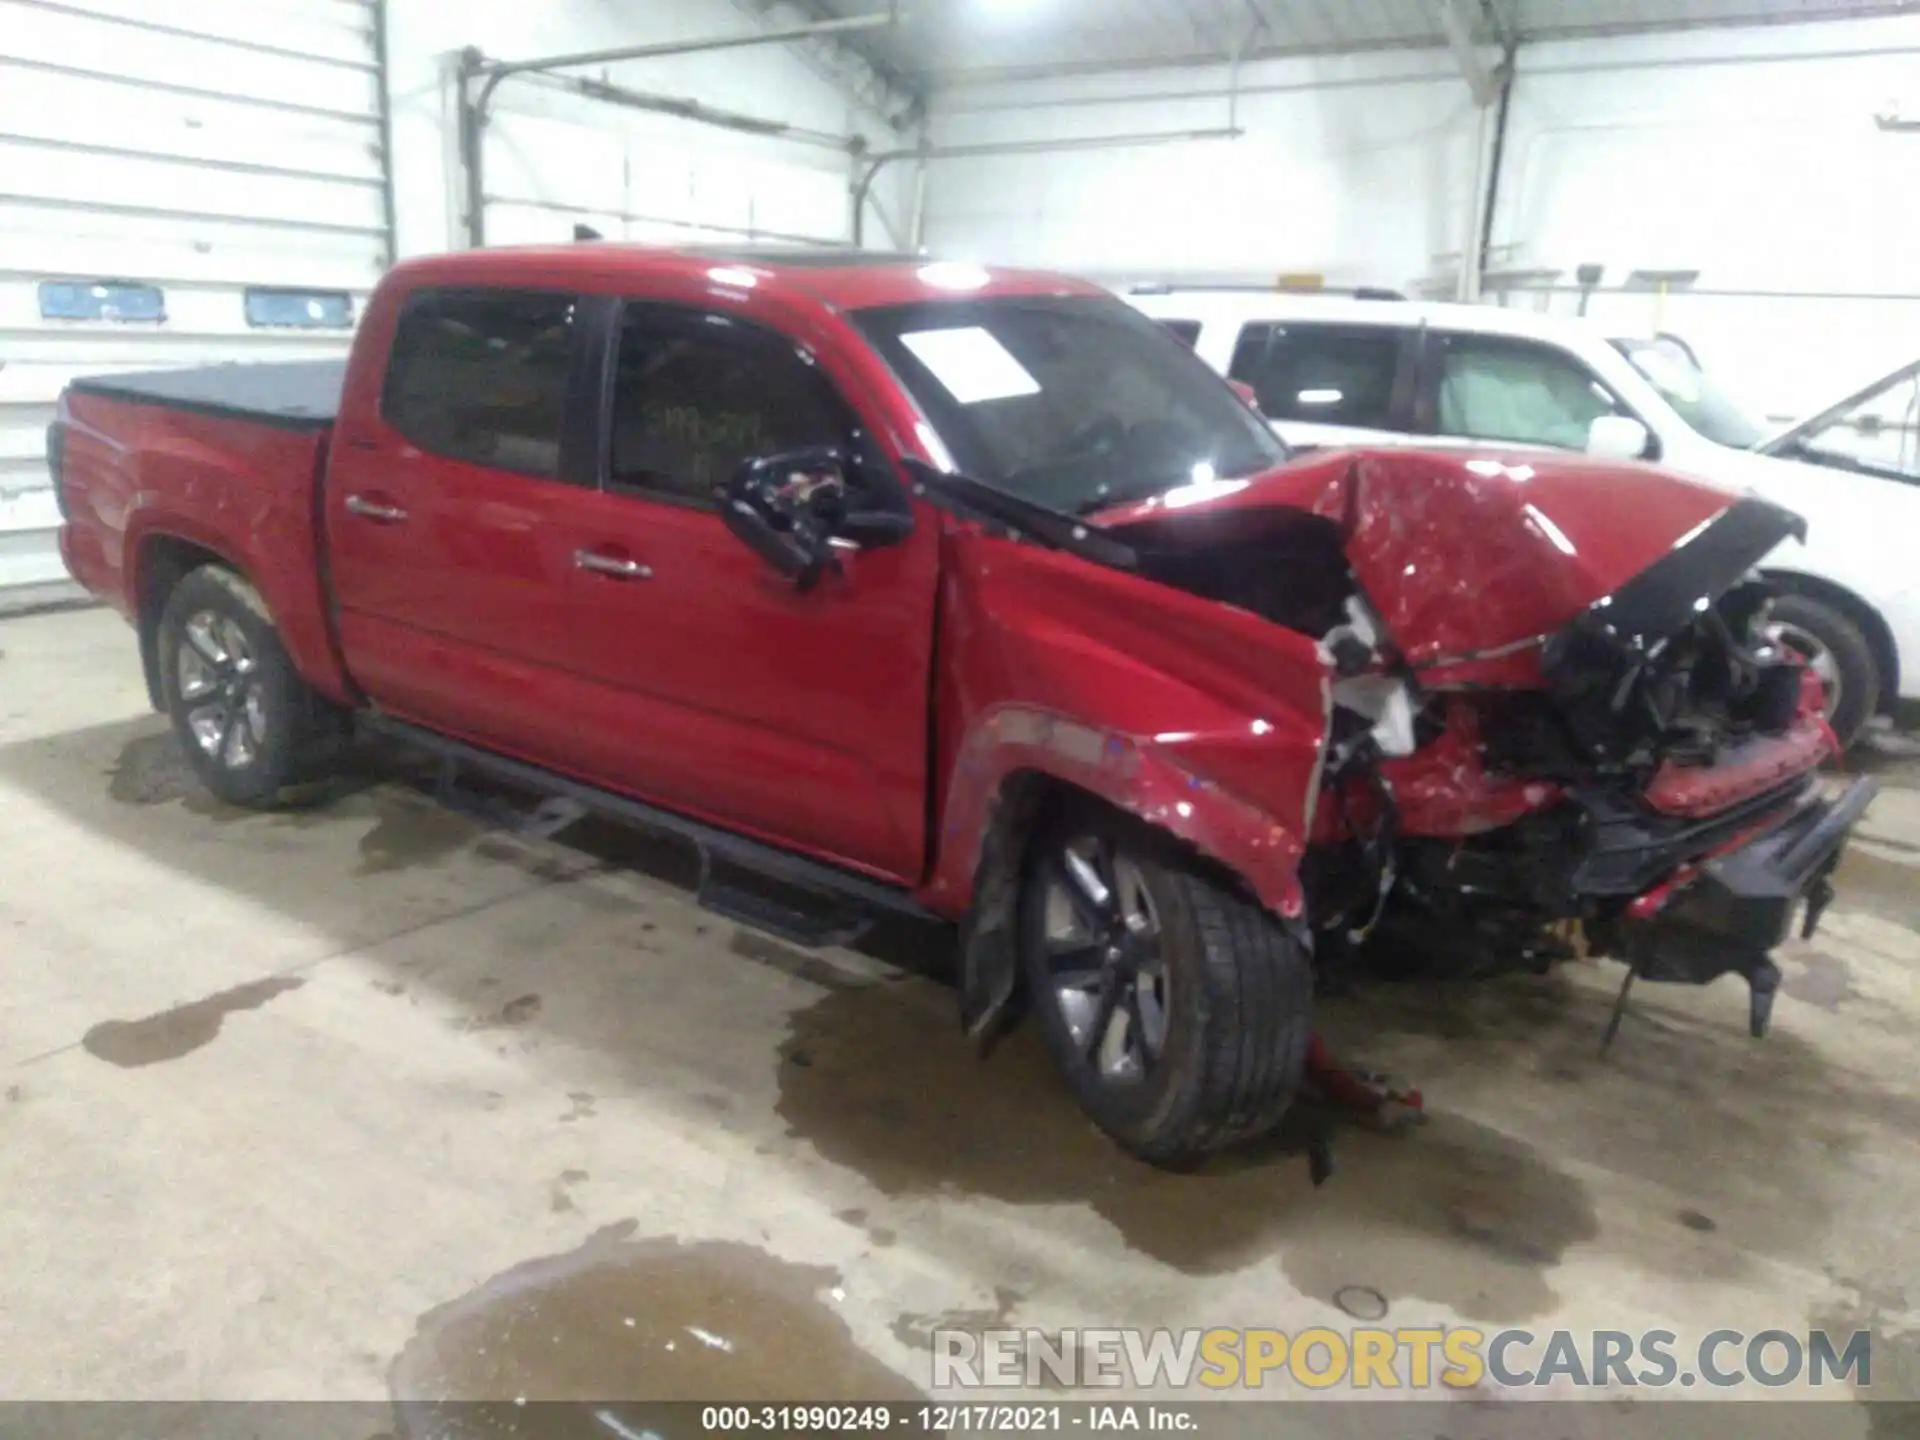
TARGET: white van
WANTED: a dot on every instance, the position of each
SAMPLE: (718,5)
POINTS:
(1341,370)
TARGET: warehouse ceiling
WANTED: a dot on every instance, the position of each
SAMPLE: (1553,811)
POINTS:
(945,42)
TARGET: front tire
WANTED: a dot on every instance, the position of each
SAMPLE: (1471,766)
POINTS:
(1838,654)
(1176,1008)
(250,726)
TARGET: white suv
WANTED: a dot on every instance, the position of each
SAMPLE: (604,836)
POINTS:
(1335,371)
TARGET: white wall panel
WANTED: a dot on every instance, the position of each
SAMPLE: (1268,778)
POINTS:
(194,145)
(337,30)
(1750,155)
(568,154)
(1356,167)
(554,160)
(36,240)
(37,31)
(77,110)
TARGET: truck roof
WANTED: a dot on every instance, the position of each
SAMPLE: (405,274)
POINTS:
(1239,307)
(842,279)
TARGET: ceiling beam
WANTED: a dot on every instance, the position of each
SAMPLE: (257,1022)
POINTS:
(853,65)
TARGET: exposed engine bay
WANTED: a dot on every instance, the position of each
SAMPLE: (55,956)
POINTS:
(1527,744)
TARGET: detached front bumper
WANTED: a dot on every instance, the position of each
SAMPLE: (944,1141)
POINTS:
(1723,914)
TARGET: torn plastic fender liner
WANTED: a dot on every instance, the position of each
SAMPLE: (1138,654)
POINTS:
(999,780)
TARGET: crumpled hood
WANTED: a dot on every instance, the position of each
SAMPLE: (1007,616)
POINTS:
(1469,555)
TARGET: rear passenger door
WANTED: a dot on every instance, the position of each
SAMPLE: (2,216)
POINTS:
(1330,385)
(445,505)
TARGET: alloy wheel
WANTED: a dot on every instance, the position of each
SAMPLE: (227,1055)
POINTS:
(221,690)
(1104,960)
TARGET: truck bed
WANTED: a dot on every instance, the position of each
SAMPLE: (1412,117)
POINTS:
(290,395)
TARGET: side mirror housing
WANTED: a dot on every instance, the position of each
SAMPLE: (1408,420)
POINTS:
(790,508)
(1618,437)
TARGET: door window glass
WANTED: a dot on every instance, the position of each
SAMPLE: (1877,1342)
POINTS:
(1529,394)
(695,396)
(1321,374)
(481,376)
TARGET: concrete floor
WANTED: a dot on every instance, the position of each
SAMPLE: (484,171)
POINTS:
(307,1105)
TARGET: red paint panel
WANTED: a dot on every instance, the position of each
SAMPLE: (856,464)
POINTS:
(1757,766)
(1464,553)
(1199,718)
(136,473)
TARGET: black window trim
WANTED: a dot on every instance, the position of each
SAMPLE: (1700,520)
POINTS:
(1433,354)
(740,329)
(1401,396)
(574,465)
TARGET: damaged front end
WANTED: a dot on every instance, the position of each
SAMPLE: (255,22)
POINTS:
(1561,724)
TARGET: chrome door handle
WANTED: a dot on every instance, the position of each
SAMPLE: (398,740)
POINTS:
(389,514)
(608,565)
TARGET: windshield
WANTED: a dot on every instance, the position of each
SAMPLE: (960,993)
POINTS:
(1672,371)
(1876,433)
(1075,404)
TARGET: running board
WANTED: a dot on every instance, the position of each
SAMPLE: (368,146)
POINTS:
(850,902)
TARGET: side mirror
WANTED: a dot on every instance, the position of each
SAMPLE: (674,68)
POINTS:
(790,508)
(1247,393)
(1618,437)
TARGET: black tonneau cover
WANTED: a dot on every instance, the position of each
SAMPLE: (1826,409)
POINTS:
(292,394)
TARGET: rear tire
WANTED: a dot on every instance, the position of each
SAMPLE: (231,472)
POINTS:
(250,726)
(1204,1040)
(1839,654)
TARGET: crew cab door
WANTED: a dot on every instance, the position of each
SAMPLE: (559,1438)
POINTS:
(718,688)
(447,491)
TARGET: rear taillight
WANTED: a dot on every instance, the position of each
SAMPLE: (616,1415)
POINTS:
(56,465)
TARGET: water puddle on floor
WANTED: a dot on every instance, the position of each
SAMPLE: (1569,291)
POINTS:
(621,1323)
(1453,1213)
(181,1030)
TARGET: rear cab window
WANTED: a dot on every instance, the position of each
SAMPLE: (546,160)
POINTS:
(1324,374)
(483,376)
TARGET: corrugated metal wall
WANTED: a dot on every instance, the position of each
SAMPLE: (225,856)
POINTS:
(181,182)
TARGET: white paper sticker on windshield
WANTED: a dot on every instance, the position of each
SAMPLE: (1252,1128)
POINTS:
(971,364)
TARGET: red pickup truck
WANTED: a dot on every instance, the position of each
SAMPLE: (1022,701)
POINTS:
(922,587)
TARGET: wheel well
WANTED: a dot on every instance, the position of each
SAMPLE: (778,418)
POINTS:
(164,562)
(1026,804)
(1879,638)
